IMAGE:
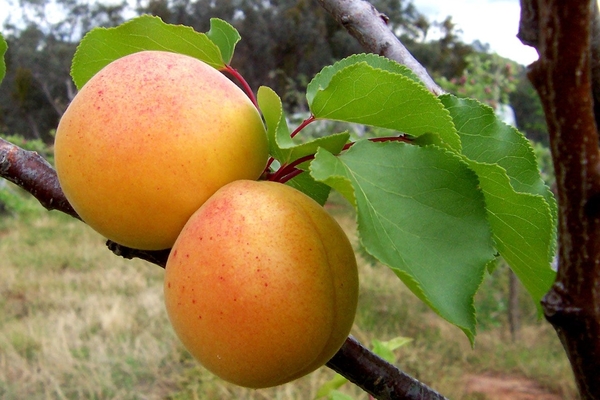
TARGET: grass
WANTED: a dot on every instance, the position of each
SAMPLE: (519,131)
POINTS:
(77,322)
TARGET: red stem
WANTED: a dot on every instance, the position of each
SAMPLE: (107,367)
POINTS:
(294,133)
(307,121)
(244,84)
(291,175)
(289,168)
(289,171)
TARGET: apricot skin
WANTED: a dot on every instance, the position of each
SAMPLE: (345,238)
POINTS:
(262,285)
(148,139)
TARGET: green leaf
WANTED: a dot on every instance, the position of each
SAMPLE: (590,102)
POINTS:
(337,395)
(281,146)
(523,229)
(420,211)
(487,139)
(101,46)
(307,185)
(224,36)
(3,48)
(521,208)
(331,386)
(364,94)
(322,79)
(385,349)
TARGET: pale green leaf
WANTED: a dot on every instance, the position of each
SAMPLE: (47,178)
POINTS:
(281,146)
(385,349)
(421,212)
(224,36)
(331,386)
(337,395)
(3,48)
(101,46)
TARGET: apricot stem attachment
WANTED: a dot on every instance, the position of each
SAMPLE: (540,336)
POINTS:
(245,86)
(289,171)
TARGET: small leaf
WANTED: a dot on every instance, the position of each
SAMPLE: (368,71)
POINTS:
(420,211)
(3,48)
(272,110)
(361,93)
(307,185)
(330,386)
(327,168)
(385,349)
(101,46)
(281,146)
(337,395)
(224,36)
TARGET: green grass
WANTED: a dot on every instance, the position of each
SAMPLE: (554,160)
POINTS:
(77,322)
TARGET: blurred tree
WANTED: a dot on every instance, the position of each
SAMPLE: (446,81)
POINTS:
(284,44)
(37,87)
(528,110)
(443,57)
(487,77)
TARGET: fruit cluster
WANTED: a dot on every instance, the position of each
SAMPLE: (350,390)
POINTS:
(159,150)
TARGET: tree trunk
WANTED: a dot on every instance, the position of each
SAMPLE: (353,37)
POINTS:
(561,31)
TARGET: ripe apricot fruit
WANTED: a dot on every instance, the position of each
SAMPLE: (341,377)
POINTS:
(261,285)
(148,139)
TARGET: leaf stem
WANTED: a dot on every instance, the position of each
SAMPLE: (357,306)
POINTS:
(243,82)
(303,125)
(289,171)
(290,168)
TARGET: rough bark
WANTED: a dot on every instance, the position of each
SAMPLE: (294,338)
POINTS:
(562,31)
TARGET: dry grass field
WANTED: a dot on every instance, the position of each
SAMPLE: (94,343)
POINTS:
(77,322)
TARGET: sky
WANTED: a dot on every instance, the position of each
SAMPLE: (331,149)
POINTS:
(495,22)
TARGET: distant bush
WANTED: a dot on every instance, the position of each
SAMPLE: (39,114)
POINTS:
(36,145)
(13,200)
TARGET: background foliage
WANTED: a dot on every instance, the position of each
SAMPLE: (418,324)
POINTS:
(38,87)
(285,43)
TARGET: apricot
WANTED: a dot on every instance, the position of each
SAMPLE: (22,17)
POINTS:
(261,285)
(148,139)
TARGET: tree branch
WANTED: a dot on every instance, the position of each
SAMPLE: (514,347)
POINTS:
(563,78)
(355,362)
(376,376)
(31,172)
(369,27)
